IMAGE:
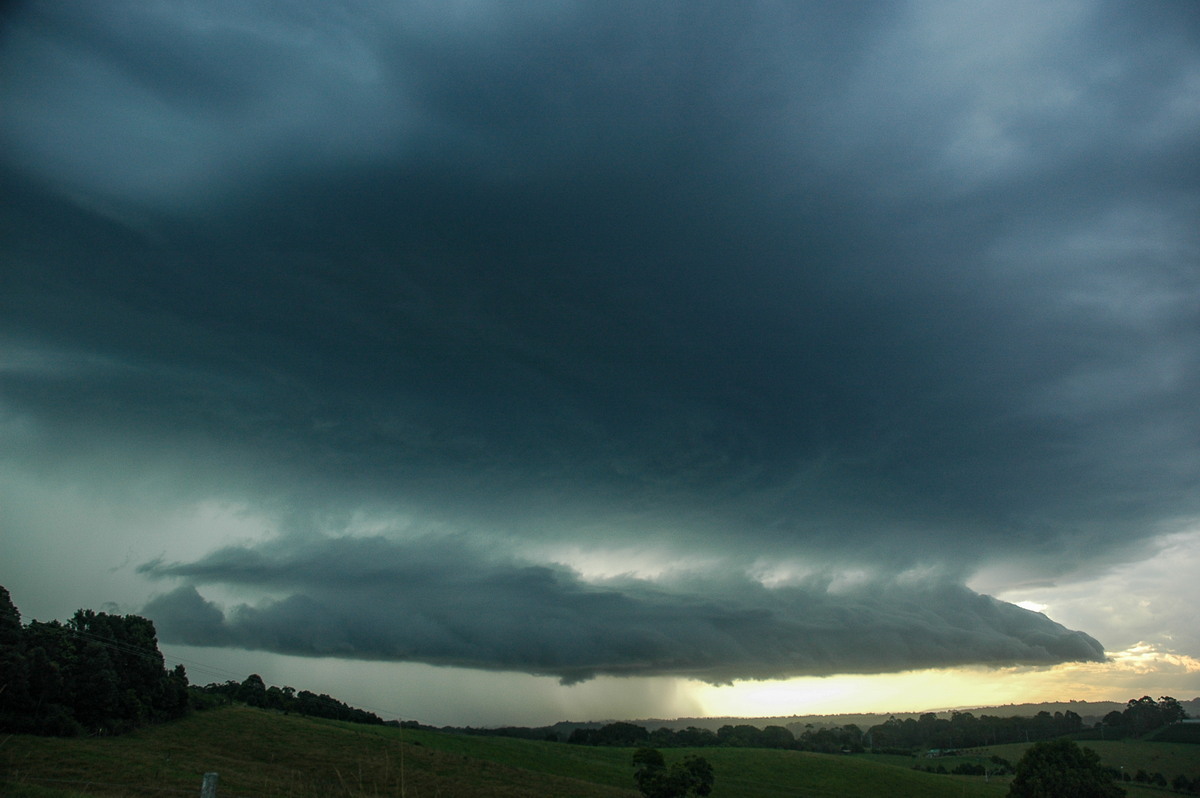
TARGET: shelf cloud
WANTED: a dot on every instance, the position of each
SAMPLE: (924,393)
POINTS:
(433,602)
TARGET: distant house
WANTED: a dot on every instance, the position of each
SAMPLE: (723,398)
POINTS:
(934,753)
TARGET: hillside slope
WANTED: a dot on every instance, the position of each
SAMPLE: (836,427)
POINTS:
(263,754)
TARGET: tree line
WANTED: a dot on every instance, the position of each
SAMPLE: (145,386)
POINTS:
(96,674)
(1142,715)
(253,691)
(846,738)
(965,730)
(960,730)
(100,673)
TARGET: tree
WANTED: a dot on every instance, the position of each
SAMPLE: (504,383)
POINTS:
(15,700)
(648,759)
(1142,715)
(253,691)
(776,737)
(10,620)
(1061,769)
(98,673)
(621,734)
(119,675)
(691,777)
(1170,709)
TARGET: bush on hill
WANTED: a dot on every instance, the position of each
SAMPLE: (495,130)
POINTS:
(1061,768)
(693,777)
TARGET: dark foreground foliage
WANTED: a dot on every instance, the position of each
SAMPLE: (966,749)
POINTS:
(691,777)
(102,674)
(1062,769)
(95,674)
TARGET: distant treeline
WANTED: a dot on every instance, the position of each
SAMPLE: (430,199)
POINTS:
(846,738)
(630,735)
(254,692)
(964,730)
(95,674)
(927,732)
(1143,715)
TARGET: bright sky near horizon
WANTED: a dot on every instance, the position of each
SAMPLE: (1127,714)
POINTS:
(497,363)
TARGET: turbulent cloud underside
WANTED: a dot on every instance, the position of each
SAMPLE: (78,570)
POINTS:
(430,602)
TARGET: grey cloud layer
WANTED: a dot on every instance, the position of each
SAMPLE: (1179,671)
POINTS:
(432,602)
(900,285)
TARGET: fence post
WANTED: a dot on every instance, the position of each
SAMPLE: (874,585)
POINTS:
(209,788)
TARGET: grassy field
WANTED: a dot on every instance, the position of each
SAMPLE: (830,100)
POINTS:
(260,753)
(267,755)
(747,772)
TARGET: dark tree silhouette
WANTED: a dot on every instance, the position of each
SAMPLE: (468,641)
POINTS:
(691,777)
(1061,769)
(98,673)
(253,691)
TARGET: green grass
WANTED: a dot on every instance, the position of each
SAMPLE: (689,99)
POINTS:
(740,772)
(771,774)
(269,755)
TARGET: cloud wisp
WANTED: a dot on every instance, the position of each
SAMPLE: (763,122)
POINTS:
(436,602)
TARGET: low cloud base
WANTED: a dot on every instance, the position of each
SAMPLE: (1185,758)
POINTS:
(430,601)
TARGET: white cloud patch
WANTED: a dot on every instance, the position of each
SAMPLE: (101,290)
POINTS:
(1141,603)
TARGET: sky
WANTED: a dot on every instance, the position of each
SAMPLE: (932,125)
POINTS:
(486,363)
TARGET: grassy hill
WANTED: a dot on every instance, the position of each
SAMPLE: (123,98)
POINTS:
(264,754)
(260,753)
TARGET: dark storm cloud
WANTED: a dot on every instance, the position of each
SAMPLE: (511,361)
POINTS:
(897,284)
(439,603)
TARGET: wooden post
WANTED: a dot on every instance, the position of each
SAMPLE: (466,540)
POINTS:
(209,788)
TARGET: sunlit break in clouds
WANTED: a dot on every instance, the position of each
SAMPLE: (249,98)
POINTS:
(633,360)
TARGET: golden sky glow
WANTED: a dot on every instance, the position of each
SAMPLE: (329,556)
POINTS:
(1140,669)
